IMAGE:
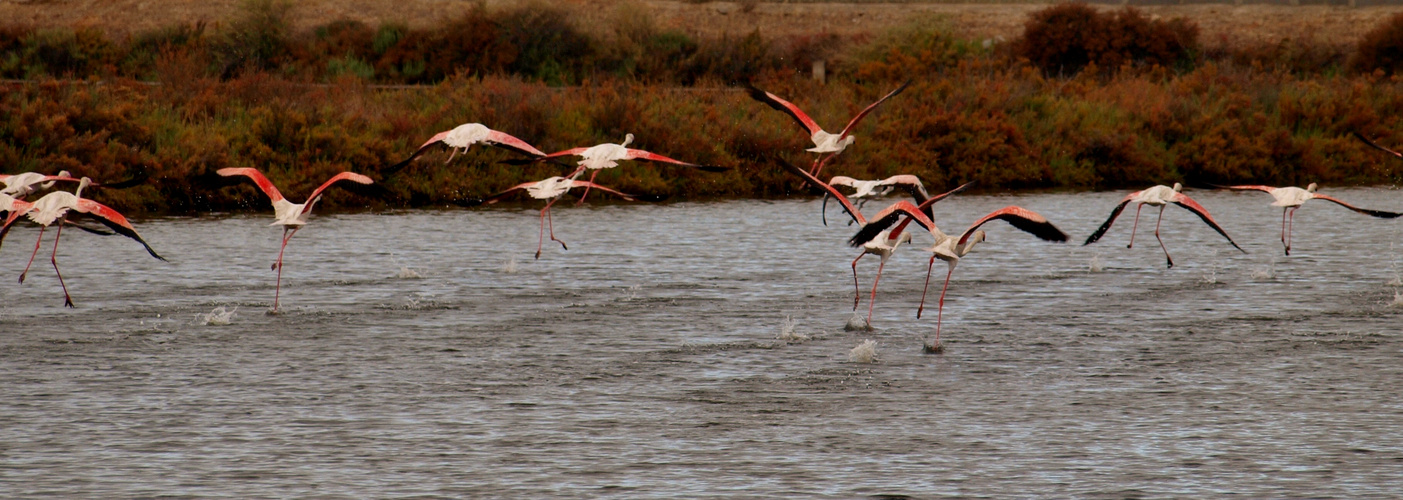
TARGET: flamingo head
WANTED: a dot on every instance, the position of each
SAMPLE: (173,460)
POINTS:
(977,237)
(1178,187)
(627,139)
(1311,188)
(82,183)
(904,237)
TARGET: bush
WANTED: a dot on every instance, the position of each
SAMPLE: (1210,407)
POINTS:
(1067,37)
(257,39)
(1381,49)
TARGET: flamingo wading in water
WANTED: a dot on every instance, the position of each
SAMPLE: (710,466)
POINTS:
(292,216)
(463,137)
(1291,198)
(881,242)
(549,189)
(1159,196)
(824,141)
(56,207)
(951,249)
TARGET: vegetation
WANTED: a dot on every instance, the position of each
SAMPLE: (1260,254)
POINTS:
(300,107)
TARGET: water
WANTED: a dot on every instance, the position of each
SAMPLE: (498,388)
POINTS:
(426,353)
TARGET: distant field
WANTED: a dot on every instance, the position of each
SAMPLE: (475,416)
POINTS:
(1221,23)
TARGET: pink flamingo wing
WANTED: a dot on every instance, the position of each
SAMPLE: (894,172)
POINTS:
(889,216)
(113,220)
(832,191)
(1183,200)
(1021,218)
(508,192)
(258,178)
(343,176)
(787,107)
(588,184)
(1264,189)
(871,107)
(1365,211)
(1377,146)
(568,152)
(1105,226)
(505,140)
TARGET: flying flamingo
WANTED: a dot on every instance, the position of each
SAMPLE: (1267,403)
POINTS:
(25,184)
(291,216)
(463,137)
(55,207)
(824,142)
(1159,196)
(608,155)
(881,242)
(1291,198)
(866,190)
(1377,146)
(549,189)
(951,249)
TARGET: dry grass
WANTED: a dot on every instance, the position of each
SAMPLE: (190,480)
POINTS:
(1221,24)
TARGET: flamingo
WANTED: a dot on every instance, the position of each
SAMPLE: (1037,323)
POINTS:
(881,242)
(56,206)
(1291,198)
(608,155)
(866,190)
(25,184)
(951,249)
(1159,196)
(463,137)
(292,216)
(549,189)
(1377,146)
(824,142)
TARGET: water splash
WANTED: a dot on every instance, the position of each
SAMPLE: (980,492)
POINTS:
(220,316)
(857,323)
(510,267)
(1265,273)
(1095,265)
(787,332)
(1211,277)
(408,273)
(865,352)
(1397,299)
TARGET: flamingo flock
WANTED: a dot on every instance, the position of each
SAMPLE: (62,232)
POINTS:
(880,234)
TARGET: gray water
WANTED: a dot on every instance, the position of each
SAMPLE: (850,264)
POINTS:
(424,353)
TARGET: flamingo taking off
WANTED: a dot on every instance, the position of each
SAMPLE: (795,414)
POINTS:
(1291,198)
(881,242)
(1159,196)
(292,216)
(824,142)
(608,155)
(549,189)
(951,249)
(866,190)
(464,136)
(25,184)
(57,206)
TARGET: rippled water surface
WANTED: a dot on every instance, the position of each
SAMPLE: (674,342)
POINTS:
(426,353)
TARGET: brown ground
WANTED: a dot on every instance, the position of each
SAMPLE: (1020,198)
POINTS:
(1220,23)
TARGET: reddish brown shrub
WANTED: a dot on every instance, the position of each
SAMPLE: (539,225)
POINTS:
(1382,48)
(1066,37)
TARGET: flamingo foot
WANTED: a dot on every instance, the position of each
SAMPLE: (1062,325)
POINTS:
(1288,250)
(538,255)
(21,278)
(933,348)
(274,267)
(274,312)
(1171,262)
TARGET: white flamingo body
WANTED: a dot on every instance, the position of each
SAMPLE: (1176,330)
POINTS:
(25,184)
(550,188)
(824,141)
(1291,199)
(463,137)
(292,216)
(55,207)
(608,155)
(1159,196)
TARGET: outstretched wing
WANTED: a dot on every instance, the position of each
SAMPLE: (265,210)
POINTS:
(588,184)
(1183,200)
(437,138)
(258,178)
(871,107)
(1264,189)
(507,141)
(1021,218)
(787,107)
(889,216)
(1101,231)
(19,208)
(113,220)
(925,205)
(804,174)
(502,195)
(1377,146)
(641,155)
(343,176)
(1376,213)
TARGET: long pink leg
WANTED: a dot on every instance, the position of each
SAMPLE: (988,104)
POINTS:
(922,307)
(1134,226)
(1289,226)
(872,301)
(941,314)
(1161,241)
(1283,230)
(591,181)
(277,290)
(31,256)
(451,155)
(53,259)
(857,291)
(546,221)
